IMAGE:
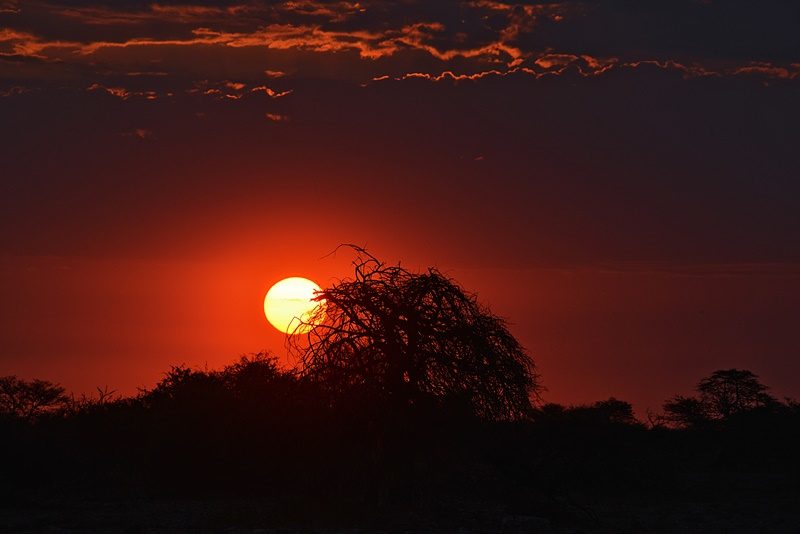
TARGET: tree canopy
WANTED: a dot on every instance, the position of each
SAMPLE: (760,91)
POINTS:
(724,394)
(411,338)
(728,392)
(29,400)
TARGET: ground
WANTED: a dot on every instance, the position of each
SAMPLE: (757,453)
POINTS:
(751,503)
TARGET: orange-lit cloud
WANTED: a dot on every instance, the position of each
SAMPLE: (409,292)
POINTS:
(276,117)
(369,41)
(767,70)
(552,64)
(13,91)
(374,46)
(231,90)
(139,133)
(272,93)
(9,7)
(123,93)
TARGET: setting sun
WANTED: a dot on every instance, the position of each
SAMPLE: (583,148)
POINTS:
(289,305)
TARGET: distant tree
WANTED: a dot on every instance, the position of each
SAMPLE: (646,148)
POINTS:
(186,387)
(616,411)
(549,411)
(611,411)
(29,400)
(730,392)
(254,371)
(259,380)
(411,338)
(86,403)
(722,395)
(684,412)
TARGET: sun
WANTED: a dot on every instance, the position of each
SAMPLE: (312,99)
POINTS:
(289,305)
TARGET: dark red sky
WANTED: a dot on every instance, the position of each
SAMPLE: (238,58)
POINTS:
(619,179)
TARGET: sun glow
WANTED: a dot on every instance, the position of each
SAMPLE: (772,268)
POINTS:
(289,305)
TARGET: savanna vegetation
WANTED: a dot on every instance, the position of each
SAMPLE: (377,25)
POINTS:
(412,403)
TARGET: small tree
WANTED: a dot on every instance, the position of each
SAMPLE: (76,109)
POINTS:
(685,412)
(729,392)
(616,411)
(722,395)
(28,400)
(411,338)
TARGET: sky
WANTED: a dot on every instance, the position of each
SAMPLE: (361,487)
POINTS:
(618,179)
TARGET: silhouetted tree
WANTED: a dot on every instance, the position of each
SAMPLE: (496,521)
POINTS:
(684,412)
(722,395)
(412,338)
(616,411)
(252,372)
(28,400)
(732,391)
(611,411)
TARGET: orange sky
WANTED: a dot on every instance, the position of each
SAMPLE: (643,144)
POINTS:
(641,334)
(619,180)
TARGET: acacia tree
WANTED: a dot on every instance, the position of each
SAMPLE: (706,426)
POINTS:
(414,337)
(723,394)
(728,392)
(29,400)
(685,412)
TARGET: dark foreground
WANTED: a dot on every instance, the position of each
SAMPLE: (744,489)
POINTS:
(252,449)
(750,503)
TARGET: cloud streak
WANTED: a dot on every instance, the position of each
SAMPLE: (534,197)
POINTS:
(373,40)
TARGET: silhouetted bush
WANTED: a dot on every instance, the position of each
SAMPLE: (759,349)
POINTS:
(254,429)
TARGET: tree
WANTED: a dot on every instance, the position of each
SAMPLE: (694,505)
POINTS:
(410,338)
(611,411)
(685,412)
(722,395)
(730,392)
(29,400)
(616,411)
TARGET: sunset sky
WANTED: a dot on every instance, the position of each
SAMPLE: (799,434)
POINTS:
(619,179)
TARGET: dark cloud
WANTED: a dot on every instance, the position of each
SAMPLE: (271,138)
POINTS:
(685,30)
(380,38)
